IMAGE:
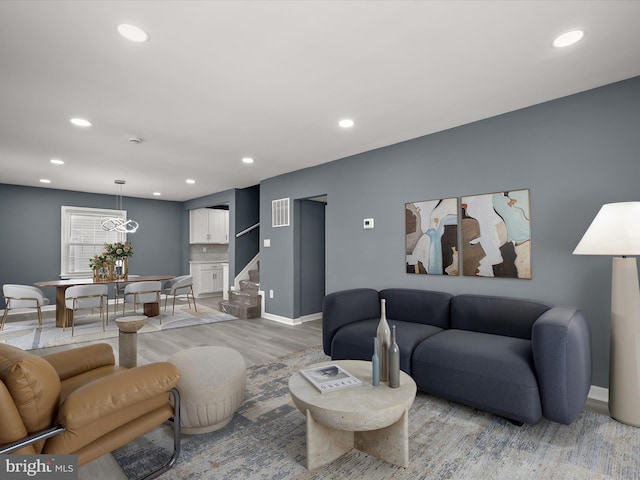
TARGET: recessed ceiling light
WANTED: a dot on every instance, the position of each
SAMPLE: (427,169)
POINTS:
(57,161)
(247,160)
(156,194)
(45,180)
(190,180)
(133,33)
(80,122)
(568,38)
(346,123)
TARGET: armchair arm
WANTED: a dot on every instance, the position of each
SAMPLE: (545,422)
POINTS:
(30,440)
(113,393)
(561,343)
(69,363)
(344,307)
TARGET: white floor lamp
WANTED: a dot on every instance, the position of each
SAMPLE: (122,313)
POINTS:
(616,231)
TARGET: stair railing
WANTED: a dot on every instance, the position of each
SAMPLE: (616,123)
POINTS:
(247,230)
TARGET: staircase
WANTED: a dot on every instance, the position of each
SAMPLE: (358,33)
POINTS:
(246,302)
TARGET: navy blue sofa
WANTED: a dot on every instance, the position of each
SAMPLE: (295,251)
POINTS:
(518,359)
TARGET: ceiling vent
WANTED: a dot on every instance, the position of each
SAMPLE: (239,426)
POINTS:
(280,213)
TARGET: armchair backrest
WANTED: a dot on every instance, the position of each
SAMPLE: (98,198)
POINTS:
(29,394)
(23,296)
(142,292)
(86,296)
(177,283)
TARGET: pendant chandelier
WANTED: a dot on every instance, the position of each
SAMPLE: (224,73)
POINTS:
(112,224)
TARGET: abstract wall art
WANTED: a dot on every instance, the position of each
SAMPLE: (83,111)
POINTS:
(431,237)
(496,235)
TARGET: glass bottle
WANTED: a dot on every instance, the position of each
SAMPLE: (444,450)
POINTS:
(375,364)
(394,361)
(384,340)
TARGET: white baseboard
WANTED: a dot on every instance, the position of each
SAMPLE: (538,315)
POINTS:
(292,321)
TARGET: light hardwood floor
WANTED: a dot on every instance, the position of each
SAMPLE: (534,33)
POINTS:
(258,340)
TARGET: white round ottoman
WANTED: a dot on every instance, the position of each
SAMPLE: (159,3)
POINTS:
(211,387)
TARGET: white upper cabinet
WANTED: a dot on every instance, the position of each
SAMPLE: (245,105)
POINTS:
(208,225)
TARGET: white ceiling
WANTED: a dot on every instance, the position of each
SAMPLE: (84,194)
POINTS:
(220,80)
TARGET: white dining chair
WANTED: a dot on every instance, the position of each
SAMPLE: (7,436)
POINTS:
(119,287)
(182,285)
(22,296)
(141,292)
(84,297)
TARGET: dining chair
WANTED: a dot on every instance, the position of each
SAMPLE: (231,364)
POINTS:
(119,289)
(22,296)
(141,292)
(182,285)
(83,297)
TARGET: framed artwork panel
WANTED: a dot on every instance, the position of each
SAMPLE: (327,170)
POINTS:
(431,237)
(496,235)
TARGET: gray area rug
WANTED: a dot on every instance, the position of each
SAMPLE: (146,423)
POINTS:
(22,330)
(266,440)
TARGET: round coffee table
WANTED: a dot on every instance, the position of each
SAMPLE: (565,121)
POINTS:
(371,419)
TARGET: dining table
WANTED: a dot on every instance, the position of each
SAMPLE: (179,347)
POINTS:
(150,309)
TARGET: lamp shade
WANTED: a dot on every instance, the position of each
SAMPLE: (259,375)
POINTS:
(614,231)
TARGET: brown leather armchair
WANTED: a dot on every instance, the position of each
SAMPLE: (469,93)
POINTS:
(80,402)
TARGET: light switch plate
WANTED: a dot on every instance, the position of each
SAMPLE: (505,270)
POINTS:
(267,242)
(367,223)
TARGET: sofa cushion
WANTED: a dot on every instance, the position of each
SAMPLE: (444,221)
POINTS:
(355,341)
(344,307)
(490,372)
(33,384)
(496,315)
(418,306)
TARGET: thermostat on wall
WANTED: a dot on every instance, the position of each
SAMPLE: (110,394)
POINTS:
(368,223)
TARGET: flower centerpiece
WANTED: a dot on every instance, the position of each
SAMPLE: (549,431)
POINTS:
(120,252)
(101,265)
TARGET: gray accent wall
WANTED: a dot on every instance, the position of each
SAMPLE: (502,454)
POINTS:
(30,235)
(574,154)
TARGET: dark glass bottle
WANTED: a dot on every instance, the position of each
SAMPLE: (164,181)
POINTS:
(394,361)
(375,364)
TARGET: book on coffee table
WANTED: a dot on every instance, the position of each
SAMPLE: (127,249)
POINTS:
(329,378)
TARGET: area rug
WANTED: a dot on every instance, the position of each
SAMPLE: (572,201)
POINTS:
(22,330)
(266,440)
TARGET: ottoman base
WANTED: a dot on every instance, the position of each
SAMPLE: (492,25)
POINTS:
(212,386)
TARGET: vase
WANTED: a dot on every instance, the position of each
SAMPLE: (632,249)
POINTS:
(375,364)
(110,272)
(96,274)
(384,340)
(394,361)
(122,267)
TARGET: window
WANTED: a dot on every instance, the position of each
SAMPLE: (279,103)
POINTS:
(82,237)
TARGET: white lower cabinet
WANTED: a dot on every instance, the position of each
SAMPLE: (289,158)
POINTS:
(208,279)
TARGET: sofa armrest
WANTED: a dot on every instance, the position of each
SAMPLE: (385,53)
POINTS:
(561,343)
(344,307)
(69,363)
(116,392)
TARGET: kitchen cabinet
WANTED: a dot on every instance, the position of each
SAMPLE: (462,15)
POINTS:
(208,278)
(208,225)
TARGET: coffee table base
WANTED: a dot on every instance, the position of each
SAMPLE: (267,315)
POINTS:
(325,444)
